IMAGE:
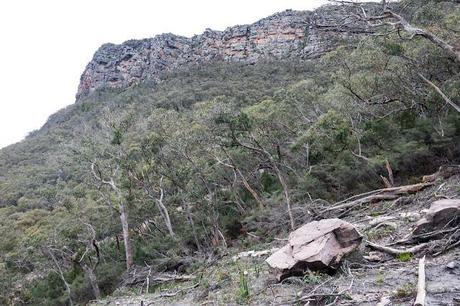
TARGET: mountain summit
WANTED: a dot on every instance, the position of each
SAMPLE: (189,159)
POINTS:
(289,34)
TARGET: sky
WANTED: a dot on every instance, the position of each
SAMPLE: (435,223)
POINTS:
(46,44)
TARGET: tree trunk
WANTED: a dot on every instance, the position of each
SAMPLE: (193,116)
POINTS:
(440,92)
(165,213)
(126,239)
(61,274)
(286,194)
(93,281)
(192,224)
(249,188)
(414,31)
(123,214)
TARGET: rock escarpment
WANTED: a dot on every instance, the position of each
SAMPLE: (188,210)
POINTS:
(290,34)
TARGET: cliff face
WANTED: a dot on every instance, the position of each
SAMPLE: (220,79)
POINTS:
(290,34)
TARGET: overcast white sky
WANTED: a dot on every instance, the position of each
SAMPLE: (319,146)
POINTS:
(46,44)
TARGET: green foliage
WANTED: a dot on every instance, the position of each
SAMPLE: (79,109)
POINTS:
(380,279)
(314,278)
(243,287)
(405,257)
(405,291)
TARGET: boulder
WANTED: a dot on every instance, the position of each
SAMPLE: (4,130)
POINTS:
(318,245)
(441,214)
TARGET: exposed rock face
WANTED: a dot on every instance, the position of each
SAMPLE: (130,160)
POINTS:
(318,245)
(290,34)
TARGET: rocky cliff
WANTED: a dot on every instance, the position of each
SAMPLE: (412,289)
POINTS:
(299,34)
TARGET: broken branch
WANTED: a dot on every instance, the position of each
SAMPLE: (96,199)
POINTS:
(421,291)
(396,252)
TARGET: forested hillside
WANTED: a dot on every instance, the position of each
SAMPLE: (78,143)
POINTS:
(169,171)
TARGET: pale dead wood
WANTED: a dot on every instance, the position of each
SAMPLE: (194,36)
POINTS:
(421,290)
(396,252)
(273,165)
(403,24)
(386,182)
(399,23)
(123,212)
(390,173)
(174,293)
(61,275)
(164,210)
(441,93)
(246,184)
(379,195)
(253,253)
(444,172)
(166,277)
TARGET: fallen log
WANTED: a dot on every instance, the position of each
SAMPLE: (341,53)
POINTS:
(396,252)
(378,195)
(140,275)
(421,290)
(444,172)
(254,253)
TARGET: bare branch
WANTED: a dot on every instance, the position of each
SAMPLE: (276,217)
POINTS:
(443,95)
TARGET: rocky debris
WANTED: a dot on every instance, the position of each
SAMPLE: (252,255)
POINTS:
(442,214)
(318,245)
(451,265)
(289,34)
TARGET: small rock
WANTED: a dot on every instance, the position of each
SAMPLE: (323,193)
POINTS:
(411,216)
(374,257)
(451,265)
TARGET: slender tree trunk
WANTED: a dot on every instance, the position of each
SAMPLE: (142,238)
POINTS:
(286,194)
(414,31)
(123,214)
(167,219)
(192,224)
(93,281)
(249,188)
(440,92)
(126,238)
(61,274)
(165,213)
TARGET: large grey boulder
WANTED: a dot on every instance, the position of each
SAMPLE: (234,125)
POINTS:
(318,245)
(441,214)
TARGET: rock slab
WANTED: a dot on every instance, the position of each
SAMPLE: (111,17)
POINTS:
(441,214)
(318,245)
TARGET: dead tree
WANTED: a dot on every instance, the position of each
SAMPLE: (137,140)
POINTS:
(89,266)
(231,164)
(273,165)
(163,210)
(398,23)
(60,272)
(110,182)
